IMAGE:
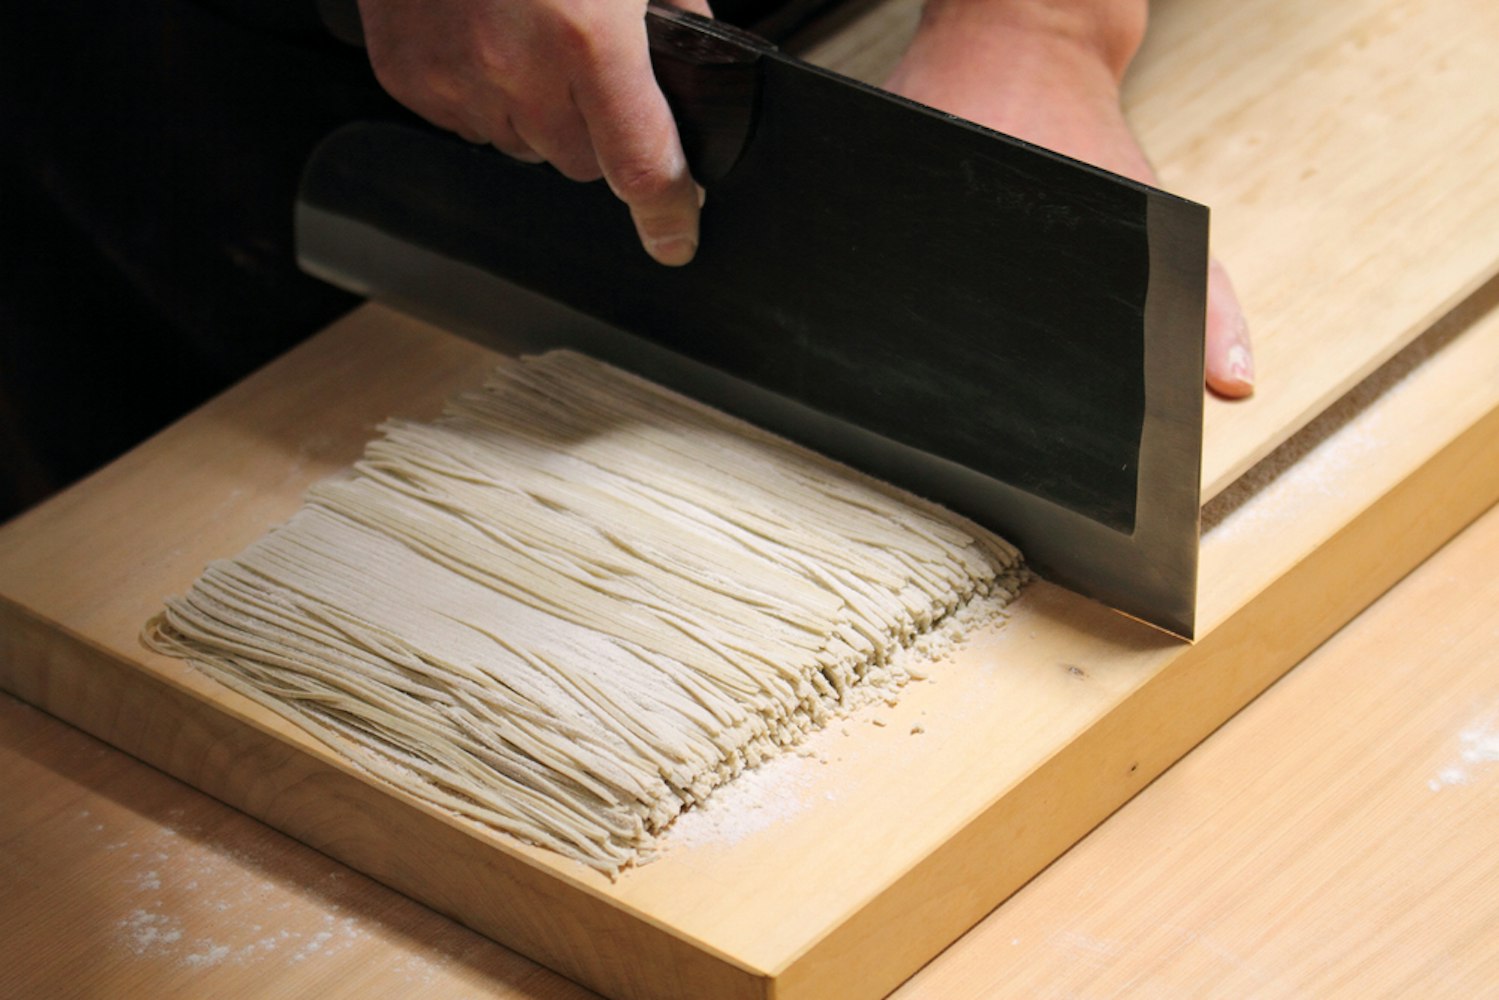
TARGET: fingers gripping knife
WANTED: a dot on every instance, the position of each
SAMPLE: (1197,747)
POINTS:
(999,328)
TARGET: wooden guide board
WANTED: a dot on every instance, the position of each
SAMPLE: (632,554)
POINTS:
(1347,152)
(840,878)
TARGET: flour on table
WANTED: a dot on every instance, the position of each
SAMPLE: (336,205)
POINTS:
(192,882)
(1479,746)
(576,604)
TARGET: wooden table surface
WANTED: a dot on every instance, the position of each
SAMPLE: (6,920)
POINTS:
(1337,837)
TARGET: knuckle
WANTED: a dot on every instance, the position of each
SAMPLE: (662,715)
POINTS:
(573,40)
(408,72)
(494,58)
(642,180)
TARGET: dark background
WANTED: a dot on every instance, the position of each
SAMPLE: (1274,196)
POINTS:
(151,150)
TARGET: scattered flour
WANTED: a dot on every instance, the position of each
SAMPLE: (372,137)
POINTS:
(754,801)
(191,882)
(180,881)
(1478,746)
(212,954)
(780,788)
(146,932)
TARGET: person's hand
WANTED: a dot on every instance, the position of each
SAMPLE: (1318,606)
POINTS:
(1048,71)
(568,82)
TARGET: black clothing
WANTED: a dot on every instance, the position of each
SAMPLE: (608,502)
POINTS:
(151,156)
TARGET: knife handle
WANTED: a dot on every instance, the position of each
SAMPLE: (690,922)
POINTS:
(710,74)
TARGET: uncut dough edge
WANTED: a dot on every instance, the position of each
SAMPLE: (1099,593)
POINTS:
(576,603)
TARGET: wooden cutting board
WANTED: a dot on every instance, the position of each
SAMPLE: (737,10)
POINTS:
(836,874)
(840,872)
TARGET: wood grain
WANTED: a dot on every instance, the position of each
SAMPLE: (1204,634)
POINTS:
(119,881)
(1334,839)
(1027,741)
(883,845)
(1302,850)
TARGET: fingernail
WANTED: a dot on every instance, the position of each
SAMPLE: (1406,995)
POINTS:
(1241,365)
(673,251)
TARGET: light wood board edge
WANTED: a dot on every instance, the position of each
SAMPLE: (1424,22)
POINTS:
(364,825)
(1079,787)
(1281,117)
(886,938)
(1446,474)
(882,943)
(216,740)
(1399,475)
(891,932)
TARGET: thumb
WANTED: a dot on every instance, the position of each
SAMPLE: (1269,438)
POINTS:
(1230,359)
